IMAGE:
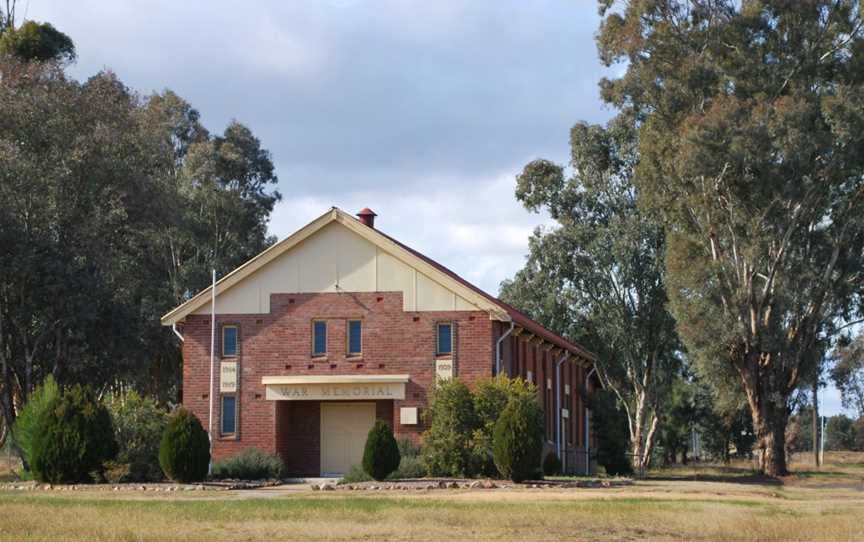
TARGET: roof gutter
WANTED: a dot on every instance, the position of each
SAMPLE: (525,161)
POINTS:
(498,347)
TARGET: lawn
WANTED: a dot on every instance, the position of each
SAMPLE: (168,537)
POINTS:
(701,503)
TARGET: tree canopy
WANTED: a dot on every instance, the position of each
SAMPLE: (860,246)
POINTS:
(751,130)
(598,276)
(114,207)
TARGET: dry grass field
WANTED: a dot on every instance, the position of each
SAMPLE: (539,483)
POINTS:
(697,503)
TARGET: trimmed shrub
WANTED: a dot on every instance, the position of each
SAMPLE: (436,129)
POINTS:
(517,440)
(138,426)
(250,464)
(184,453)
(551,465)
(26,423)
(447,444)
(381,455)
(491,396)
(75,438)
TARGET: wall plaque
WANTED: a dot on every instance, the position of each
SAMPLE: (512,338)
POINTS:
(444,369)
(228,377)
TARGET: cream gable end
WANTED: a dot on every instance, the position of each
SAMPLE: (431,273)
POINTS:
(336,258)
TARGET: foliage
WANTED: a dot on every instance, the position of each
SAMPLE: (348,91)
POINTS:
(609,425)
(448,449)
(114,207)
(381,453)
(355,475)
(27,424)
(848,373)
(38,42)
(491,396)
(750,137)
(138,427)
(551,464)
(250,464)
(74,438)
(598,276)
(517,440)
(184,452)
(840,433)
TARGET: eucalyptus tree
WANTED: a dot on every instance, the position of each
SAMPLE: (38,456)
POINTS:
(751,119)
(599,275)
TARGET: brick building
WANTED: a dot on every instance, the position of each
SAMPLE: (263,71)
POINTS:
(339,325)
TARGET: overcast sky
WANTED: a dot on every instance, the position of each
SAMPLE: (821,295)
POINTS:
(423,111)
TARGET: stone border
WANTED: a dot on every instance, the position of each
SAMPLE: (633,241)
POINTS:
(222,485)
(434,483)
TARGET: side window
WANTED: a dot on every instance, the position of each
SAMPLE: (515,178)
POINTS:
(229,341)
(355,337)
(319,338)
(229,415)
(445,339)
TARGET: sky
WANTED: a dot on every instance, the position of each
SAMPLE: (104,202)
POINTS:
(423,111)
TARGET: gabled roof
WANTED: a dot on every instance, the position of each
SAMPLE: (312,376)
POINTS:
(497,309)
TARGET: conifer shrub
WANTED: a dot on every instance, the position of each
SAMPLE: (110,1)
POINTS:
(491,396)
(26,424)
(250,464)
(448,446)
(517,440)
(551,465)
(381,455)
(138,425)
(184,453)
(74,438)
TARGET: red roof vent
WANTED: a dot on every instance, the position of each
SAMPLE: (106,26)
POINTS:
(367,217)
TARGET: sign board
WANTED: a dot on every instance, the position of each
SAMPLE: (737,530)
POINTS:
(335,392)
(444,369)
(565,413)
(408,416)
(228,377)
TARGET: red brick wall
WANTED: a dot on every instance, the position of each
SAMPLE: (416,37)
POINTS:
(280,344)
(520,354)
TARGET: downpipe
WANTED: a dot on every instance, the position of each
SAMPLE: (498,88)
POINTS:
(498,347)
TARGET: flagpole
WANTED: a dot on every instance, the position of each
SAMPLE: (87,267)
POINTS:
(212,362)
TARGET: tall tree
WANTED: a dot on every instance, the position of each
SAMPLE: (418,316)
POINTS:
(598,275)
(96,183)
(751,137)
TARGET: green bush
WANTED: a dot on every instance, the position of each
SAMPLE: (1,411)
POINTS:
(138,426)
(491,396)
(409,467)
(551,465)
(355,475)
(75,438)
(517,440)
(26,423)
(448,447)
(381,455)
(184,453)
(250,464)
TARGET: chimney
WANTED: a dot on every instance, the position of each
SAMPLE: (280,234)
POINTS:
(367,217)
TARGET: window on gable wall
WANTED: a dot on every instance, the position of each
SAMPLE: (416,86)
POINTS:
(444,341)
(229,341)
(319,338)
(355,337)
